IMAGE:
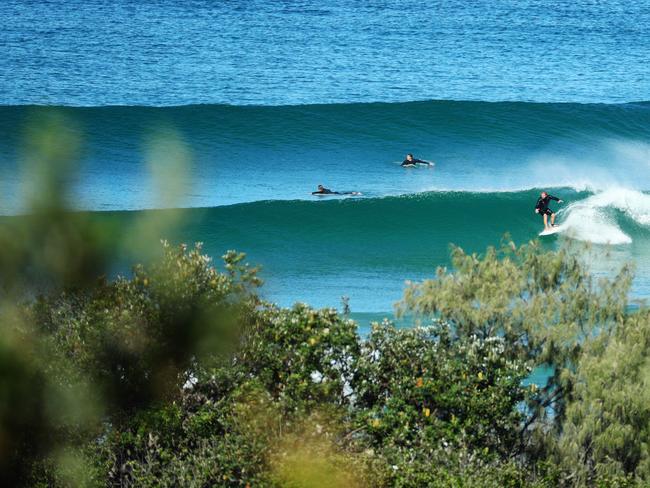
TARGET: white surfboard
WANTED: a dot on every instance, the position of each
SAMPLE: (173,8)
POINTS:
(553,230)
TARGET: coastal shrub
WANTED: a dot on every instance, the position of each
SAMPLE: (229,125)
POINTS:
(545,305)
(607,431)
(303,357)
(99,355)
(433,408)
(238,424)
(138,338)
(25,430)
(420,386)
(180,375)
(276,402)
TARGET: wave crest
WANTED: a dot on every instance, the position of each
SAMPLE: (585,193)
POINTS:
(597,219)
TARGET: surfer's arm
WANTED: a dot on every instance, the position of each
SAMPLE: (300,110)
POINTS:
(554,198)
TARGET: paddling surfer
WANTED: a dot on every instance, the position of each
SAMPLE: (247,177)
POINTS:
(411,162)
(541,207)
(324,191)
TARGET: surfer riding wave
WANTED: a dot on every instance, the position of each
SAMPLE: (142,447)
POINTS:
(542,208)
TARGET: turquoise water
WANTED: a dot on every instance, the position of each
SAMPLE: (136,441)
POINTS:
(269,99)
(243,154)
(365,249)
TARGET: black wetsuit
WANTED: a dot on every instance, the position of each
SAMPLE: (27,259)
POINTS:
(413,162)
(542,205)
(325,191)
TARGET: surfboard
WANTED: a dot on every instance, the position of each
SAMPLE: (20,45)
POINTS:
(339,194)
(553,230)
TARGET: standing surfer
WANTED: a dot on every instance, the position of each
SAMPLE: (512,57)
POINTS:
(410,162)
(541,207)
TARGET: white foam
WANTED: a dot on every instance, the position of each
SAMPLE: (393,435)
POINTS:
(591,219)
(591,225)
(634,204)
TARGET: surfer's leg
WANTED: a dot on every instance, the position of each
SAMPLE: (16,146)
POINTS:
(545,222)
(552,219)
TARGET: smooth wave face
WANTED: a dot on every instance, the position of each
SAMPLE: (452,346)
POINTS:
(267,52)
(367,248)
(243,154)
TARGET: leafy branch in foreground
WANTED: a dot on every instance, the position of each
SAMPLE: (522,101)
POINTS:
(138,338)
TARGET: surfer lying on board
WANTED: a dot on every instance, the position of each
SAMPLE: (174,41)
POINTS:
(326,191)
(410,162)
(541,207)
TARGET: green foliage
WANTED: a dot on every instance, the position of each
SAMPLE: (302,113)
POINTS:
(419,386)
(181,375)
(24,427)
(607,432)
(138,337)
(545,305)
(303,357)
(541,302)
(180,446)
(423,397)
(235,416)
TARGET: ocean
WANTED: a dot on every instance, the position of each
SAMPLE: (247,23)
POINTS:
(269,99)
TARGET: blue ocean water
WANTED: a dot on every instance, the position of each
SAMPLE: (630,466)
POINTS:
(268,52)
(268,99)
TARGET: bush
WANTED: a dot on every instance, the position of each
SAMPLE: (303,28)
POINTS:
(138,338)
(181,375)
